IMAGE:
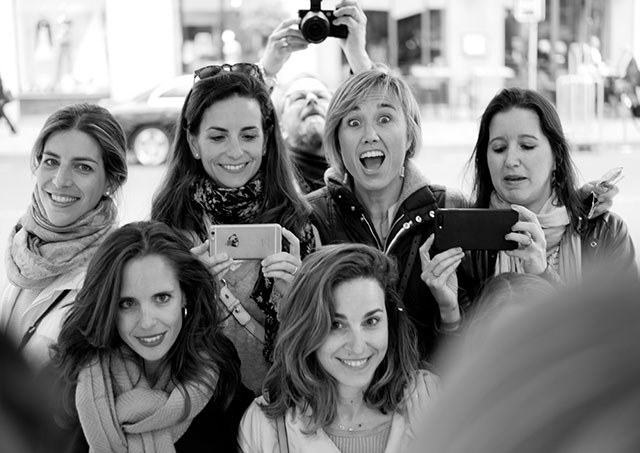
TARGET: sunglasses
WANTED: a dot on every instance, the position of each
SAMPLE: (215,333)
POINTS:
(213,70)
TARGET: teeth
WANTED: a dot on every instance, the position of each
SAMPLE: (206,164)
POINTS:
(354,363)
(150,340)
(233,167)
(62,198)
(369,154)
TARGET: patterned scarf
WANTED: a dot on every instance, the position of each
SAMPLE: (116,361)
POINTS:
(562,241)
(38,252)
(228,206)
(121,412)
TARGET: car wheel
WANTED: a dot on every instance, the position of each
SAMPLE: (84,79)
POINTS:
(150,145)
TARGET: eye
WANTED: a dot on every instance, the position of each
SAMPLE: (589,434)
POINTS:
(85,168)
(335,325)
(125,304)
(372,322)
(216,138)
(498,149)
(250,137)
(49,162)
(527,146)
(353,123)
(385,119)
(163,298)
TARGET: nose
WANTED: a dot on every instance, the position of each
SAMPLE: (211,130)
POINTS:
(234,150)
(312,97)
(370,134)
(62,177)
(356,343)
(147,316)
(512,158)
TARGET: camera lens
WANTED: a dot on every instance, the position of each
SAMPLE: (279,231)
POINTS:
(315,27)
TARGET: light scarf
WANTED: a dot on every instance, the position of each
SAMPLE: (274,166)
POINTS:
(38,252)
(120,412)
(562,241)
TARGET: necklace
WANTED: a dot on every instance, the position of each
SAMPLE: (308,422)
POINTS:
(349,428)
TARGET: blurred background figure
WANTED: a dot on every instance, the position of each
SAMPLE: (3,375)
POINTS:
(559,376)
(5,98)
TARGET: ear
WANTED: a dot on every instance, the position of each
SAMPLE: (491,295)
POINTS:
(193,145)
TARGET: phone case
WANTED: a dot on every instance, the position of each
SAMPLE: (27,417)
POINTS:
(474,229)
(253,241)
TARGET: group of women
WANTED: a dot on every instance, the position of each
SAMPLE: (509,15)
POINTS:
(161,346)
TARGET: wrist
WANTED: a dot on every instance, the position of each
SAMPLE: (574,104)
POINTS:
(270,78)
(450,315)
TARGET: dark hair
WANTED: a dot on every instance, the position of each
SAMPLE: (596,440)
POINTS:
(350,94)
(564,180)
(297,381)
(282,204)
(90,329)
(98,123)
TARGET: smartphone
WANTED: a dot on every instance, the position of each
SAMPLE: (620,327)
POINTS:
(243,242)
(608,180)
(474,229)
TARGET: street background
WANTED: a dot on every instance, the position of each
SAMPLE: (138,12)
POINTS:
(446,149)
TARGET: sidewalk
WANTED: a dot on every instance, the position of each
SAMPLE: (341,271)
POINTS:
(439,134)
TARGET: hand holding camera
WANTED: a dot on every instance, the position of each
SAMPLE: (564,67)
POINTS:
(317,24)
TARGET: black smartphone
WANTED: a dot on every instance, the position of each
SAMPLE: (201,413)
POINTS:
(474,229)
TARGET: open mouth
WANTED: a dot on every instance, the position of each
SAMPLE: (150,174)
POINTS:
(64,199)
(514,178)
(151,341)
(372,160)
(233,168)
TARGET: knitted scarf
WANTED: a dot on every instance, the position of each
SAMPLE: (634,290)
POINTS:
(38,252)
(120,412)
(562,241)
(239,206)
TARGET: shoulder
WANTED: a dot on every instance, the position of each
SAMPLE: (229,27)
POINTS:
(609,223)
(257,433)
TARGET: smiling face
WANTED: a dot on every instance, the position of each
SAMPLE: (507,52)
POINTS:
(520,158)
(303,114)
(373,142)
(359,336)
(230,141)
(71,178)
(149,315)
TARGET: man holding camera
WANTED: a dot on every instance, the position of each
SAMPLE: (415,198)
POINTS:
(302,104)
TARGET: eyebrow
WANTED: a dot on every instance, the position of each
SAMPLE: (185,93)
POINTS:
(75,159)
(519,136)
(380,105)
(222,129)
(366,315)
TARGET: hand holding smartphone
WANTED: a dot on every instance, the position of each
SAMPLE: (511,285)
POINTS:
(474,229)
(608,180)
(246,241)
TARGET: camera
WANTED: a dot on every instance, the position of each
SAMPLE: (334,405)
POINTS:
(316,24)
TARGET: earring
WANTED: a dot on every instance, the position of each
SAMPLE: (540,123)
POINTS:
(555,182)
(107,193)
(402,171)
(196,155)
(185,312)
(345,179)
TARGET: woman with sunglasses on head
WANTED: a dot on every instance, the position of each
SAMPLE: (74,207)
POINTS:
(345,376)
(229,166)
(143,360)
(79,160)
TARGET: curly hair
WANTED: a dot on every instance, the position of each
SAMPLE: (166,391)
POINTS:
(350,94)
(90,329)
(98,123)
(297,381)
(282,203)
(565,174)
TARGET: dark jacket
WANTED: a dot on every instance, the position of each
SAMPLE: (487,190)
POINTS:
(212,430)
(340,217)
(606,248)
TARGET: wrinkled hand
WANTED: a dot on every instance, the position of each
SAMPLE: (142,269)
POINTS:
(439,274)
(419,395)
(604,193)
(532,248)
(284,40)
(218,265)
(350,13)
(283,266)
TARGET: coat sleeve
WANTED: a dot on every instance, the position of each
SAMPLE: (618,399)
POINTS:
(257,433)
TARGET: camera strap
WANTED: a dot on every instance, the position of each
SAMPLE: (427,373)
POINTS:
(244,318)
(31,330)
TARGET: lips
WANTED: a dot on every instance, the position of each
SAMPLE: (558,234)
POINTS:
(233,168)
(355,364)
(372,160)
(152,340)
(62,199)
(514,178)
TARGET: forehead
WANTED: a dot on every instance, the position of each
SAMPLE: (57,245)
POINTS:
(378,97)
(514,122)
(73,144)
(306,84)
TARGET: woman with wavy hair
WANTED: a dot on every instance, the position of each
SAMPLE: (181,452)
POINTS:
(79,162)
(143,360)
(345,376)
(229,166)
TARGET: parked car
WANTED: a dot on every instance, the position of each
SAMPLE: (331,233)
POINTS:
(149,119)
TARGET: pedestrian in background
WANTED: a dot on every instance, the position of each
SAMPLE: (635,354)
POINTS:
(5,98)
(79,160)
